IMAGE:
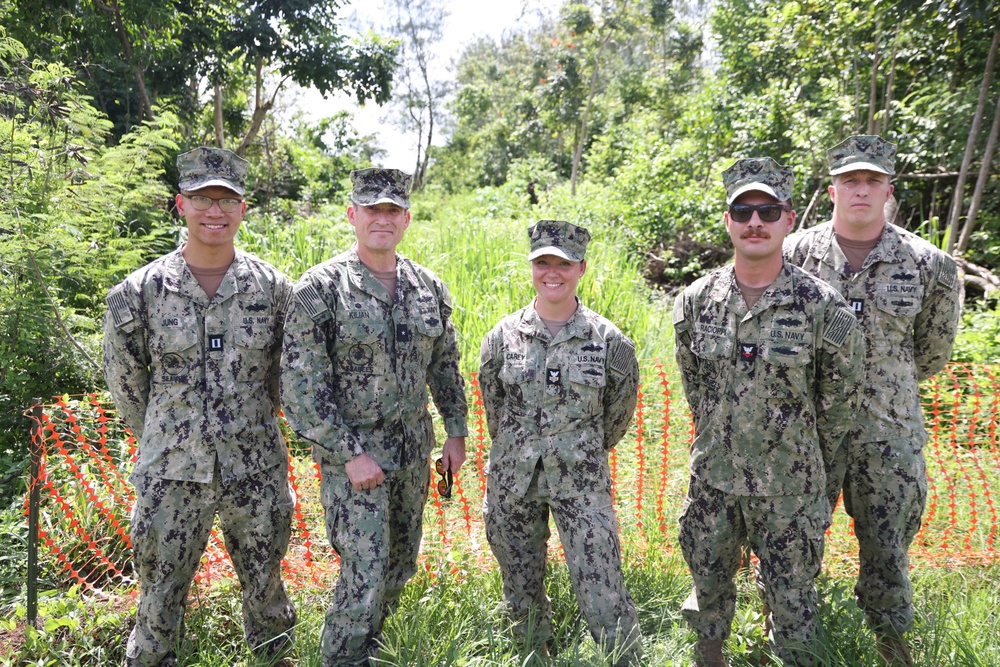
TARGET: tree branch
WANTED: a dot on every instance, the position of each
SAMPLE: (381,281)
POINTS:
(52,303)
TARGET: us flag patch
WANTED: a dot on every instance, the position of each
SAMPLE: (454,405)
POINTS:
(838,327)
(118,307)
(313,303)
(622,356)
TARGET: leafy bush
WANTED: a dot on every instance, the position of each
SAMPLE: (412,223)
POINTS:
(75,216)
(979,338)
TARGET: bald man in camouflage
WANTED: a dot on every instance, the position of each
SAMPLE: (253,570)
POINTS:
(906,296)
(770,359)
(559,387)
(369,331)
(192,345)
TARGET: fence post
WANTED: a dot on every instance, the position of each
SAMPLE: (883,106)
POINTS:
(34,498)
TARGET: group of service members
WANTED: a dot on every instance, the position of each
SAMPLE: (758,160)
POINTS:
(800,362)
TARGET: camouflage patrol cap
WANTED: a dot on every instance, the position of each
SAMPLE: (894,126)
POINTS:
(761,174)
(381,186)
(204,167)
(863,152)
(559,238)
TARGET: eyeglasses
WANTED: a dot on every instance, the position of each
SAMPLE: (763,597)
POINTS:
(766,212)
(444,486)
(202,203)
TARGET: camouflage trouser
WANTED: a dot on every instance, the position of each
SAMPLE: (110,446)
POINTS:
(885,487)
(785,532)
(377,534)
(171,522)
(518,529)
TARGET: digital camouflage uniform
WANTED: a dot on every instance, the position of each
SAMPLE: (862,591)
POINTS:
(772,391)
(196,381)
(356,370)
(906,298)
(555,407)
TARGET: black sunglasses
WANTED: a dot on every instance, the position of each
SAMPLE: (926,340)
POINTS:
(444,486)
(766,212)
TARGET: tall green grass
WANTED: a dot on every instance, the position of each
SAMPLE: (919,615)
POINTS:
(445,621)
(478,245)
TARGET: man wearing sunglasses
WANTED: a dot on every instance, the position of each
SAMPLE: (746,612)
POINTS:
(559,388)
(192,347)
(905,294)
(368,332)
(770,360)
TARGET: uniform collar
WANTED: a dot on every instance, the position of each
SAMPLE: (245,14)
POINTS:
(888,249)
(726,292)
(177,278)
(365,281)
(531,324)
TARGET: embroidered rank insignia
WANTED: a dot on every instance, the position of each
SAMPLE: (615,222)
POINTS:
(748,351)
(622,356)
(838,327)
(858,306)
(313,303)
(553,377)
(215,342)
(119,308)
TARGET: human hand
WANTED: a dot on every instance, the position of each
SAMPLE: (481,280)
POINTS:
(453,454)
(364,473)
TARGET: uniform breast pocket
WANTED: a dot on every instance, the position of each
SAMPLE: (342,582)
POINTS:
(898,306)
(899,301)
(784,372)
(360,346)
(428,327)
(585,391)
(715,359)
(251,359)
(174,355)
(519,383)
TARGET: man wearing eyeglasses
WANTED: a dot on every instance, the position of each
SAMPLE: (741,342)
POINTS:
(368,332)
(192,349)
(905,294)
(771,361)
(559,387)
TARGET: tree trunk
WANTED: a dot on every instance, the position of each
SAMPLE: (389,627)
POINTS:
(873,82)
(220,138)
(424,158)
(116,13)
(883,127)
(984,174)
(260,108)
(970,146)
(582,138)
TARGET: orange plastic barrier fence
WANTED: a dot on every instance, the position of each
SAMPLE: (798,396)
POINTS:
(86,500)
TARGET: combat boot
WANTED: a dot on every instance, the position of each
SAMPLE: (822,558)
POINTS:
(708,653)
(894,650)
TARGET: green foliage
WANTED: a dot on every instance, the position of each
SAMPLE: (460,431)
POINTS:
(75,215)
(477,244)
(979,341)
(455,618)
(303,165)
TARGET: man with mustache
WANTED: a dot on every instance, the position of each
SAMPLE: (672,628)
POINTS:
(905,294)
(770,359)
